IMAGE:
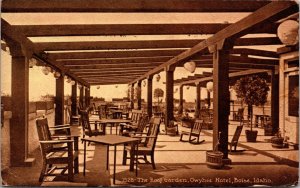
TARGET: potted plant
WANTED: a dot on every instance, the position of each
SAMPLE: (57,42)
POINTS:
(252,90)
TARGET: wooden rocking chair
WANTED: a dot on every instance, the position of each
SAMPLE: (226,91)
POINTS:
(195,132)
(56,152)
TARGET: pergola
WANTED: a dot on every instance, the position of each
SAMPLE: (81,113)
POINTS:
(226,49)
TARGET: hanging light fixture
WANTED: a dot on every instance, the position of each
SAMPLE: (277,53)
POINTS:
(32,62)
(287,32)
(98,87)
(56,74)
(144,83)
(116,86)
(45,70)
(188,87)
(209,86)
(69,79)
(158,78)
(190,66)
(175,91)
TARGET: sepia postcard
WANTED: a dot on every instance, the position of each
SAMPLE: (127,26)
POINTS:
(151,93)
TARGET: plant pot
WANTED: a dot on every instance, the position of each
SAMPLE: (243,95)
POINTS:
(251,135)
(214,159)
(277,142)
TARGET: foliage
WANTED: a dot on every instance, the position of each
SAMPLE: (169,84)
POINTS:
(158,93)
(47,97)
(253,90)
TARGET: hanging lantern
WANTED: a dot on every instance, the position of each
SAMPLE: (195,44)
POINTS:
(98,87)
(144,83)
(116,86)
(158,78)
(32,62)
(176,90)
(188,87)
(190,66)
(56,74)
(72,82)
(287,32)
(69,80)
(209,86)
(45,70)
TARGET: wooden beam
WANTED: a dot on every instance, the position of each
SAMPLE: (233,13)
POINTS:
(117,60)
(131,75)
(231,75)
(114,54)
(111,72)
(113,65)
(108,82)
(129,6)
(240,65)
(276,10)
(134,75)
(29,48)
(123,29)
(248,51)
(144,44)
(112,69)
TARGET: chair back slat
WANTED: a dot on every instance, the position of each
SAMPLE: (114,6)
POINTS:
(44,134)
(142,123)
(153,132)
(196,128)
(85,122)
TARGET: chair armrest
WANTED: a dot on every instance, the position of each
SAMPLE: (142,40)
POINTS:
(58,128)
(144,136)
(64,125)
(55,141)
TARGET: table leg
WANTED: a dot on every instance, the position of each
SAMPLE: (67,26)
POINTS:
(107,156)
(115,158)
(84,157)
(136,158)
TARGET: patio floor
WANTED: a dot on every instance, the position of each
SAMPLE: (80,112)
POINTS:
(179,164)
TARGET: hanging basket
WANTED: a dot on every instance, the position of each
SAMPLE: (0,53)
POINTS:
(214,159)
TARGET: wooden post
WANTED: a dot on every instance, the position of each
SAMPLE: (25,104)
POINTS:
(169,94)
(208,99)
(275,101)
(132,96)
(59,101)
(19,120)
(87,96)
(74,99)
(221,98)
(198,100)
(180,107)
(149,95)
(139,95)
(81,94)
